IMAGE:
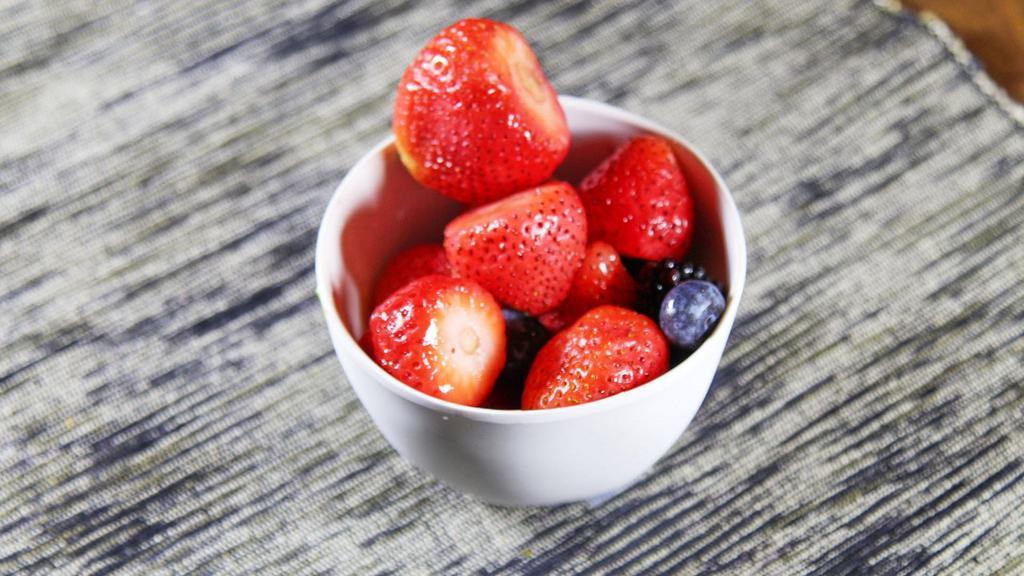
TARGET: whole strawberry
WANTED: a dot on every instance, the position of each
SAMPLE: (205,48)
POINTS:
(637,200)
(607,351)
(409,265)
(475,117)
(365,343)
(442,336)
(602,279)
(524,248)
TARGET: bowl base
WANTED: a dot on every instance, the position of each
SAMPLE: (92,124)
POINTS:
(601,499)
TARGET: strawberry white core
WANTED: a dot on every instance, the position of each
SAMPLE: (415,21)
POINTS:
(468,340)
(463,340)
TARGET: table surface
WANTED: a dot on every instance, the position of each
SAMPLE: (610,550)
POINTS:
(170,402)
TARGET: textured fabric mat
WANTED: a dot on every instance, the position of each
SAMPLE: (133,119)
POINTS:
(169,399)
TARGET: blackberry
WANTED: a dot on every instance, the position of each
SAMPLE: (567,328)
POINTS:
(657,278)
(524,337)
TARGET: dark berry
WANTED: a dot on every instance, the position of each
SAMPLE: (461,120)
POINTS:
(633,265)
(657,278)
(524,337)
(689,312)
(676,356)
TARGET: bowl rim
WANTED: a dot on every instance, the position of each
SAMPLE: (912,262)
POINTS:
(736,253)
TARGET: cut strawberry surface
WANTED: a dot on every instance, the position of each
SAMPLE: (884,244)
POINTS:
(443,336)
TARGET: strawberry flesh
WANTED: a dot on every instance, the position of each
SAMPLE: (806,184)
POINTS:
(442,336)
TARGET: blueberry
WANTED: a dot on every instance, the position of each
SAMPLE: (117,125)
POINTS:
(690,311)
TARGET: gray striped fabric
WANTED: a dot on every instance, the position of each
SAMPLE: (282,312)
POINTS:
(169,399)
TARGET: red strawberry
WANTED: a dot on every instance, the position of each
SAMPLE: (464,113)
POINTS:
(524,248)
(637,201)
(366,344)
(409,265)
(475,117)
(602,279)
(443,336)
(607,351)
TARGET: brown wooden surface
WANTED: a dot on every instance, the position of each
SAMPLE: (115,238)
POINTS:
(993,30)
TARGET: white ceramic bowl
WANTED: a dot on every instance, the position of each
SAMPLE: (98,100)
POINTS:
(508,457)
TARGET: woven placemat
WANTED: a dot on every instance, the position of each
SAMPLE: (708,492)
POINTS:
(169,399)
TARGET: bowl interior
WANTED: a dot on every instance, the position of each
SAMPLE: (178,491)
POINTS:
(380,210)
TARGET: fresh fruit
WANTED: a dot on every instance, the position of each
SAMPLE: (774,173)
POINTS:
(524,249)
(607,351)
(602,279)
(524,337)
(443,336)
(503,396)
(690,311)
(409,265)
(475,117)
(365,343)
(657,278)
(637,200)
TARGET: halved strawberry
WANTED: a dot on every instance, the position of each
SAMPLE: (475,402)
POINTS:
(602,279)
(637,200)
(607,351)
(524,248)
(443,336)
(409,265)
(475,117)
